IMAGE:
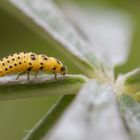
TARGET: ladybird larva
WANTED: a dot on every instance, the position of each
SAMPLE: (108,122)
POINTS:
(26,62)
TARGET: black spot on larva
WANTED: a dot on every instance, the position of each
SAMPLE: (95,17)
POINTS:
(6,57)
(13,59)
(10,67)
(1,59)
(8,61)
(24,61)
(20,63)
(44,57)
(29,69)
(11,54)
(30,63)
(15,64)
(3,64)
(41,68)
(32,56)
(6,69)
(41,63)
(18,57)
(54,68)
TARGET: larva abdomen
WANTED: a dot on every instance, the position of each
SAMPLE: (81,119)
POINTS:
(13,63)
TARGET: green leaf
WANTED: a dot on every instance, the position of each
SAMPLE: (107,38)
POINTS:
(130,111)
(98,27)
(44,125)
(92,115)
(132,77)
(129,83)
(43,86)
(49,21)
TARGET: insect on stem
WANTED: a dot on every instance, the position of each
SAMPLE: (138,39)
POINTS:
(26,62)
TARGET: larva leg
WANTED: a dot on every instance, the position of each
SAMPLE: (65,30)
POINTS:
(55,76)
(19,75)
(28,75)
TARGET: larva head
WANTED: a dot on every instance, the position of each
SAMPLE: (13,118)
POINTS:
(63,70)
(56,66)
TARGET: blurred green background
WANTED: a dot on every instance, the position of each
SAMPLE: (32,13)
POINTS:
(18,116)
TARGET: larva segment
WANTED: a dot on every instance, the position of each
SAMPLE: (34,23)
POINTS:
(1,70)
(54,65)
(17,62)
(13,62)
(6,66)
(33,62)
(23,62)
(43,62)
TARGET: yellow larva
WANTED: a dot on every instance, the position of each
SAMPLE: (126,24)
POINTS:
(26,62)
